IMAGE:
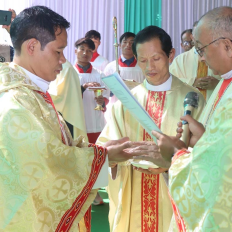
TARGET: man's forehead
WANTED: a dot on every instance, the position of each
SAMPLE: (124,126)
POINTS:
(128,38)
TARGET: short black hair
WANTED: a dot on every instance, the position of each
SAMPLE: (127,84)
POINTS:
(186,31)
(93,34)
(126,35)
(151,32)
(87,41)
(37,22)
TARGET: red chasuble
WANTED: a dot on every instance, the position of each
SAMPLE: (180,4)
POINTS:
(95,55)
(150,183)
(121,64)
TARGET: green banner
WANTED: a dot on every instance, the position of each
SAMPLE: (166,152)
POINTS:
(141,13)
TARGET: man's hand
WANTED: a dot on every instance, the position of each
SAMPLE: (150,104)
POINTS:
(118,150)
(91,84)
(208,82)
(196,129)
(154,171)
(100,100)
(7,27)
(160,154)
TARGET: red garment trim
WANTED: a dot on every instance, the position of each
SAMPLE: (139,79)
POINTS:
(95,55)
(124,64)
(87,219)
(179,154)
(48,99)
(70,215)
(179,220)
(80,70)
(150,183)
(221,91)
(93,137)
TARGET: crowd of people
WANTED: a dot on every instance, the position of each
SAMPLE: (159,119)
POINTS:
(60,142)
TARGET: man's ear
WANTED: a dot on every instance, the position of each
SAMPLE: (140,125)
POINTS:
(75,51)
(31,46)
(228,47)
(182,45)
(172,55)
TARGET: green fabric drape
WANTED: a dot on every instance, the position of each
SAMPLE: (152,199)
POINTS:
(141,13)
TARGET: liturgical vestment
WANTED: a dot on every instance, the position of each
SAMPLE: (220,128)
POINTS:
(140,202)
(185,67)
(200,182)
(46,178)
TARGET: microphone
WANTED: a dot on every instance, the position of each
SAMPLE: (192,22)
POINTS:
(190,103)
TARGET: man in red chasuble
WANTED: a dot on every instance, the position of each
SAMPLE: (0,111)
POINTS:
(139,202)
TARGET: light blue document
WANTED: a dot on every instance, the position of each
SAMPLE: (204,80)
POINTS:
(120,90)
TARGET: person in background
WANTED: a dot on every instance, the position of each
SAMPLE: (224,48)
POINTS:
(99,62)
(186,40)
(189,68)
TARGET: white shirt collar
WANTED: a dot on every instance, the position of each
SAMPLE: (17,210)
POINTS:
(41,83)
(227,75)
(123,58)
(163,87)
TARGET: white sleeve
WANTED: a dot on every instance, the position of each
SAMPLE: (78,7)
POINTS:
(102,180)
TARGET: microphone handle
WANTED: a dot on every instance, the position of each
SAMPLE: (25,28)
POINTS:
(185,126)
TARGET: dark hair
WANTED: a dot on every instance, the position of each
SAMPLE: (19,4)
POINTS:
(151,32)
(186,31)
(37,22)
(93,34)
(87,41)
(126,35)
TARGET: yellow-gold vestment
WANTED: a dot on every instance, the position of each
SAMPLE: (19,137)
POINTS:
(200,182)
(140,202)
(45,185)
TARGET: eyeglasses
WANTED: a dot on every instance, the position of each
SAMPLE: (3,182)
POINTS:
(200,50)
(188,43)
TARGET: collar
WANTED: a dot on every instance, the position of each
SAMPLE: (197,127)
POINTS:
(41,83)
(227,75)
(95,55)
(82,69)
(123,62)
(158,88)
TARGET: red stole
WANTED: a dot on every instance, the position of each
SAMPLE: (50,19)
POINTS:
(95,55)
(80,70)
(150,183)
(98,161)
(221,91)
(121,64)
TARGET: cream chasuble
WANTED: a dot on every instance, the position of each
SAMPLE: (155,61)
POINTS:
(200,182)
(67,97)
(140,202)
(45,184)
(185,67)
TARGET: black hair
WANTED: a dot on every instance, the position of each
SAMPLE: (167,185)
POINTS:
(126,35)
(151,32)
(37,22)
(87,41)
(93,34)
(186,31)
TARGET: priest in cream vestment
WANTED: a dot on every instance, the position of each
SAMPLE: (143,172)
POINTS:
(200,181)
(47,180)
(188,68)
(139,202)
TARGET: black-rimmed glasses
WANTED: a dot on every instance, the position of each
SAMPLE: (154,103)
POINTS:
(200,50)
